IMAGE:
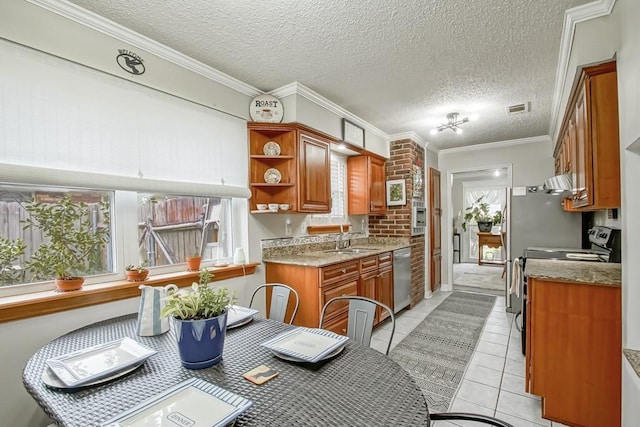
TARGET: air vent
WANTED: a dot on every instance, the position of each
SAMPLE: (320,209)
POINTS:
(518,108)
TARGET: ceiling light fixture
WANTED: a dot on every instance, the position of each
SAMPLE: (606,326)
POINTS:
(453,123)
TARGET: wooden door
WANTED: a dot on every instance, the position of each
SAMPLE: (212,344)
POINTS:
(314,192)
(367,288)
(384,292)
(435,212)
(378,201)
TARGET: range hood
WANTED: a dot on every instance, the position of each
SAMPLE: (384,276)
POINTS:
(561,185)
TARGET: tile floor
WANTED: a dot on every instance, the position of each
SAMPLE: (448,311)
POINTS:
(493,383)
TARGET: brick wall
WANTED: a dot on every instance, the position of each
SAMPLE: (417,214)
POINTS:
(397,221)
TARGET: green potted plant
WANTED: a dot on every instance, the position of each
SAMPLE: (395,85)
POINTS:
(199,317)
(497,218)
(478,212)
(137,273)
(193,261)
(10,251)
(73,241)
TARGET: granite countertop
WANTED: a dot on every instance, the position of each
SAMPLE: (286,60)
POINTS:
(583,272)
(633,356)
(321,258)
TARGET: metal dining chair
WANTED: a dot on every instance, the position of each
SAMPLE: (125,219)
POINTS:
(361,316)
(482,419)
(279,301)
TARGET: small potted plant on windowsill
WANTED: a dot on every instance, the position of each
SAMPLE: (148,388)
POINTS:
(74,241)
(200,321)
(193,261)
(137,273)
(10,251)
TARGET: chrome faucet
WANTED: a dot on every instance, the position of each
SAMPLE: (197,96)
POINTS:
(340,243)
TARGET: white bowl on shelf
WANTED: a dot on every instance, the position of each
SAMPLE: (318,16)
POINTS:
(285,206)
(262,206)
(273,207)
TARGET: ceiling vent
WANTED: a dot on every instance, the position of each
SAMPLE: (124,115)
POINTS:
(518,108)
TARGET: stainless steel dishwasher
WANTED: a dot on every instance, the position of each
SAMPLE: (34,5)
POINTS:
(401,279)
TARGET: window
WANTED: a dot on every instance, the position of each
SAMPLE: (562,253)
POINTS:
(170,228)
(158,228)
(338,189)
(32,234)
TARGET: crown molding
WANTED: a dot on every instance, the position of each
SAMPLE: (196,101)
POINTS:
(297,88)
(572,17)
(499,144)
(117,31)
(409,135)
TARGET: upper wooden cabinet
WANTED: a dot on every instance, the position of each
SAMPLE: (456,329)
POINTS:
(314,171)
(303,165)
(366,185)
(588,146)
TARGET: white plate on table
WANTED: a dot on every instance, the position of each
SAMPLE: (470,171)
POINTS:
(295,359)
(193,402)
(50,379)
(100,361)
(306,344)
(238,316)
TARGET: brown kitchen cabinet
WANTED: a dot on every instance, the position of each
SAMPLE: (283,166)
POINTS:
(588,146)
(303,164)
(573,351)
(370,276)
(366,184)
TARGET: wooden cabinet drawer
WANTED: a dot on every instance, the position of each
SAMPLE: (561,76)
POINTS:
(369,263)
(337,324)
(338,272)
(347,288)
(385,259)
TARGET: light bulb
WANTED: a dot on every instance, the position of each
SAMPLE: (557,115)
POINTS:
(433,131)
(474,116)
(497,173)
(458,131)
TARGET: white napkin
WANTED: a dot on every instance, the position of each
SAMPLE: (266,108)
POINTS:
(516,278)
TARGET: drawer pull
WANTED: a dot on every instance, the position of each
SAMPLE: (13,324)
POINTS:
(343,295)
(344,271)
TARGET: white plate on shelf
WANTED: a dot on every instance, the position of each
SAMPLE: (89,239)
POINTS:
(272,176)
(199,402)
(306,344)
(238,316)
(99,361)
(50,379)
(271,149)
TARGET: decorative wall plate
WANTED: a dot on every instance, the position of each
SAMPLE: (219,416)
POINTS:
(271,148)
(266,108)
(272,176)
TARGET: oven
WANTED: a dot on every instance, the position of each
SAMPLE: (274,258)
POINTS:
(605,247)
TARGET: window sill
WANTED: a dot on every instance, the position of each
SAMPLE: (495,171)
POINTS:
(48,302)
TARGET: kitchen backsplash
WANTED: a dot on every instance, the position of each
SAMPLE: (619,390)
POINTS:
(318,242)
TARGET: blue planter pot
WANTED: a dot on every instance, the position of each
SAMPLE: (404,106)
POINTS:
(201,342)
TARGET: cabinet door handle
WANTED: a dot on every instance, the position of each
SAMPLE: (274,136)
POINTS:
(343,295)
(344,271)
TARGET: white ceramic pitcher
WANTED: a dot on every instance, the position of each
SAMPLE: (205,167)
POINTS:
(152,301)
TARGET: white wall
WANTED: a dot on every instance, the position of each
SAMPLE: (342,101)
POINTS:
(627,34)
(60,114)
(531,164)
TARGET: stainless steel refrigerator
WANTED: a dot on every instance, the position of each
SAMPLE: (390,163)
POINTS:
(536,219)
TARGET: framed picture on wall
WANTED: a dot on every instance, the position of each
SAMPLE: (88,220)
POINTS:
(352,133)
(396,193)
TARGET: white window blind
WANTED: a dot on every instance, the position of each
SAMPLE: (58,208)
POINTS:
(338,185)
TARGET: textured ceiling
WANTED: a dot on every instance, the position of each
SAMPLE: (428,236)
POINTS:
(401,65)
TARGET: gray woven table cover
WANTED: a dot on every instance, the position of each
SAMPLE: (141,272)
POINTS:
(359,387)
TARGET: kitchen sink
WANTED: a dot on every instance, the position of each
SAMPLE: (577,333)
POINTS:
(350,251)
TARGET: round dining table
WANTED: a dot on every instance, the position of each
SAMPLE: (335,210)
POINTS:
(358,387)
